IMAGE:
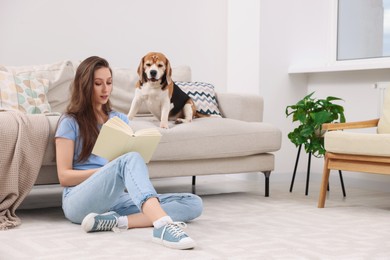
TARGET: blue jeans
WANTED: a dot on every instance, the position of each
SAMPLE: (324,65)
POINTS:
(123,185)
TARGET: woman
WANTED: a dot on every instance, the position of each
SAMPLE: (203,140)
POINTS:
(104,195)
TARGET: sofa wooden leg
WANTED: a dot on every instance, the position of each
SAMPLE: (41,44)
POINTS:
(324,183)
(266,175)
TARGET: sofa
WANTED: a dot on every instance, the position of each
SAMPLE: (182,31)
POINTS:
(233,140)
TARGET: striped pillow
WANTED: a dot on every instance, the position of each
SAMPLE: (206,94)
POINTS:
(203,95)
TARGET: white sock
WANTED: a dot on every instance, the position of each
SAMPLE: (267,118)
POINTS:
(162,221)
(123,222)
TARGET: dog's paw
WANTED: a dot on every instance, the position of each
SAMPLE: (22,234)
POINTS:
(179,121)
(164,125)
(182,120)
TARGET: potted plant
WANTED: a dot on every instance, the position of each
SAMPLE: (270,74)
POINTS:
(311,113)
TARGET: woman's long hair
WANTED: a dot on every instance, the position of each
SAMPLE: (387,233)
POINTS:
(81,105)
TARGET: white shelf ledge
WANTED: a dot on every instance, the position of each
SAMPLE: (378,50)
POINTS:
(350,65)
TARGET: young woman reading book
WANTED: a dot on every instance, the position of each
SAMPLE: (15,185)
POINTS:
(104,195)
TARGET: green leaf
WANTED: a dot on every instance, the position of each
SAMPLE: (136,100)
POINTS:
(311,114)
(330,98)
(321,117)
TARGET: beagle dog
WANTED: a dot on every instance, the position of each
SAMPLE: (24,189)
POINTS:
(163,97)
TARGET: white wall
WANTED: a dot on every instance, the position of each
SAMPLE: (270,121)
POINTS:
(290,32)
(243,46)
(187,31)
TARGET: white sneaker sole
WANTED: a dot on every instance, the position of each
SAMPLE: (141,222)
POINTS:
(87,223)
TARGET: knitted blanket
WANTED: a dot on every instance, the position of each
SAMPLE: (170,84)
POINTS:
(23,140)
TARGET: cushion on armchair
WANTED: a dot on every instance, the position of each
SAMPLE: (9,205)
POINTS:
(346,142)
(384,120)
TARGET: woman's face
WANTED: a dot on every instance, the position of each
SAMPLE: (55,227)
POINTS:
(102,86)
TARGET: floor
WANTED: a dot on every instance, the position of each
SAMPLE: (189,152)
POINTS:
(238,223)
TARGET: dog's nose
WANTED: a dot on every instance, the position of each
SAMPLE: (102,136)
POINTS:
(153,73)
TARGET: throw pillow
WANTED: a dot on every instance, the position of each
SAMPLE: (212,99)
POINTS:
(203,95)
(60,75)
(24,93)
(8,96)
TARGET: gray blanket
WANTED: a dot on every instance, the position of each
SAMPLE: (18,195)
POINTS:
(23,140)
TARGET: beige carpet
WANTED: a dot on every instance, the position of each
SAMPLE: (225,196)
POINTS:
(238,223)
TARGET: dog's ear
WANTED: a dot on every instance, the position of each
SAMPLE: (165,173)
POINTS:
(168,73)
(141,73)
(138,84)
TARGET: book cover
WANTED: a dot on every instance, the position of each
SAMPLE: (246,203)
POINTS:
(117,138)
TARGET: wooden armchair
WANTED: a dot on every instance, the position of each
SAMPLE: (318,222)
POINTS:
(357,152)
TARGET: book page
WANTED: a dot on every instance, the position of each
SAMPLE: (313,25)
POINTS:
(119,124)
(147,132)
(112,142)
(117,138)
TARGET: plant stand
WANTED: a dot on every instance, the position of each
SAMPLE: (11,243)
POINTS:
(308,174)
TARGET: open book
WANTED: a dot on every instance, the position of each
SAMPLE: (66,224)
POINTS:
(117,138)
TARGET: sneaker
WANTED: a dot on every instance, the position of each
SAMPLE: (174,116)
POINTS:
(172,235)
(100,222)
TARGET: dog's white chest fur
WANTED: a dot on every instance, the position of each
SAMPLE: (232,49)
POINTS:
(154,97)
(155,71)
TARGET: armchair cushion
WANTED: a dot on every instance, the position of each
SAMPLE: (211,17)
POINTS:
(357,143)
(384,121)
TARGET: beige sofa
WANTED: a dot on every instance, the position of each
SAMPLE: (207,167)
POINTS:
(237,143)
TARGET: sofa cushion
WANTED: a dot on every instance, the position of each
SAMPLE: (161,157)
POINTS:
(208,138)
(60,76)
(123,89)
(24,93)
(357,143)
(203,95)
(384,120)
(203,138)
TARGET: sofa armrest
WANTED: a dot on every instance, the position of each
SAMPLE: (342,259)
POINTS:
(243,107)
